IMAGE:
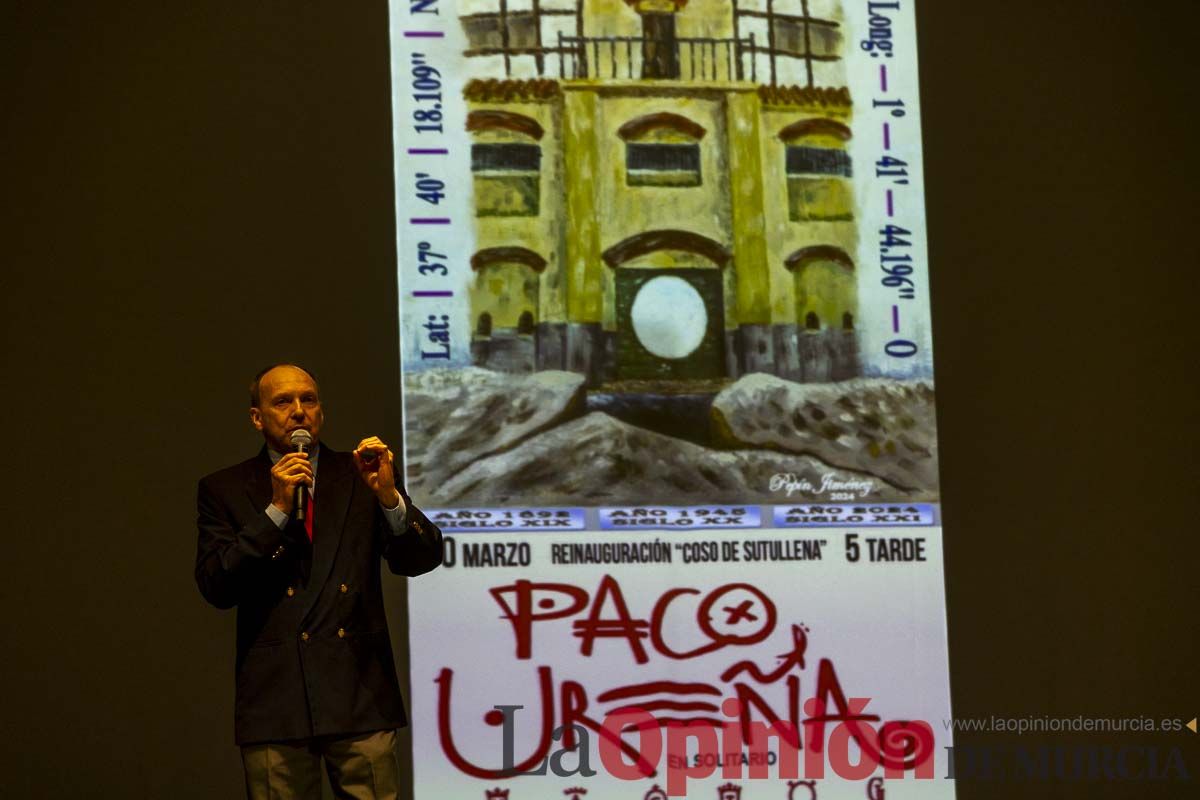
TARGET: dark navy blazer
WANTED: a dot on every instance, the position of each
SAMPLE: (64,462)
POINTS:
(313,653)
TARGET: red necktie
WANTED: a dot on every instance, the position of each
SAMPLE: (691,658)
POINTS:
(308,514)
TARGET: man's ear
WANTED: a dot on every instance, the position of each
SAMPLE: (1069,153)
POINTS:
(256,419)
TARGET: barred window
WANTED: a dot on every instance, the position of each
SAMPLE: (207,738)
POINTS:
(507,157)
(817,185)
(663,157)
(817,161)
(657,164)
(507,179)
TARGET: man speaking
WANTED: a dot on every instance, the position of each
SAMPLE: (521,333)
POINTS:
(294,538)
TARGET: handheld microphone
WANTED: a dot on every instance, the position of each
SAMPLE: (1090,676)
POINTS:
(301,440)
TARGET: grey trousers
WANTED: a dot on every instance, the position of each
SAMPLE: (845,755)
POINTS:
(362,767)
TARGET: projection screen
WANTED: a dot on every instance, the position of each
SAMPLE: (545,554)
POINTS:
(668,391)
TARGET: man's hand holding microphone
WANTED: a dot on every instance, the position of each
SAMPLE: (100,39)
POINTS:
(292,475)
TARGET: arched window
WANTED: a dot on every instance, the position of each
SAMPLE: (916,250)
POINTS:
(818,167)
(504,293)
(824,286)
(662,149)
(506,160)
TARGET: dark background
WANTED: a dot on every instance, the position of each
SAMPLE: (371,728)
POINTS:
(194,190)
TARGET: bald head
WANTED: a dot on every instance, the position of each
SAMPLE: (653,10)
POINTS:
(256,382)
(284,398)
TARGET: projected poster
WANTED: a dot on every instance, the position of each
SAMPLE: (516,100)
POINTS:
(668,391)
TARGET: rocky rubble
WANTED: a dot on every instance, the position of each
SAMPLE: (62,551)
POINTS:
(599,460)
(456,417)
(477,437)
(878,426)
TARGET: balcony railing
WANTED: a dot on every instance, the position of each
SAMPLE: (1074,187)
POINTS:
(641,58)
(790,50)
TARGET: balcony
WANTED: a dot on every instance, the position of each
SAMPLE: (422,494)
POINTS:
(547,42)
(697,59)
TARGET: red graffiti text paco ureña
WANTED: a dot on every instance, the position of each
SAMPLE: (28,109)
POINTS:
(731,615)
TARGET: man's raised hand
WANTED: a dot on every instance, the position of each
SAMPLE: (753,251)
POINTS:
(376,466)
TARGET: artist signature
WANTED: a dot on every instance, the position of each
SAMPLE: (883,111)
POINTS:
(790,482)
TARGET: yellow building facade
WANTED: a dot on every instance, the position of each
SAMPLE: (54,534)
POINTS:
(654,200)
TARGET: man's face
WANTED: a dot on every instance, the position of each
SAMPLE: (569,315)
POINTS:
(287,401)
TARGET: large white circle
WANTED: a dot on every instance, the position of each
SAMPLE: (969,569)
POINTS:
(669,317)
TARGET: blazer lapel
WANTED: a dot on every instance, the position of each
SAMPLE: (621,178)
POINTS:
(331,503)
(258,483)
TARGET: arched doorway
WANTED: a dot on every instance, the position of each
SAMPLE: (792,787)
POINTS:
(670,306)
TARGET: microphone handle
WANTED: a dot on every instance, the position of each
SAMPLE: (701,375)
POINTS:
(301,503)
(301,499)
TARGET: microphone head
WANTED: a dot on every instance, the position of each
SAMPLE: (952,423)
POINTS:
(301,439)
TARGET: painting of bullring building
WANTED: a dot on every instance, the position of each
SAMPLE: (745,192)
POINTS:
(664,277)
(652,203)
